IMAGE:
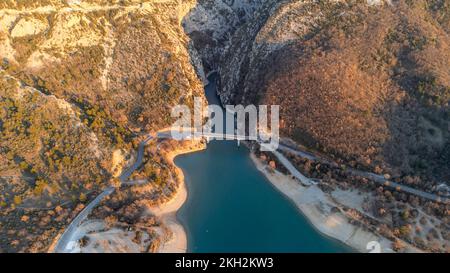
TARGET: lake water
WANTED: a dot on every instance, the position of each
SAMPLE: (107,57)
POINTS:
(231,206)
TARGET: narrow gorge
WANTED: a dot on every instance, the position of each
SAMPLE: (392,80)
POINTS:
(363,88)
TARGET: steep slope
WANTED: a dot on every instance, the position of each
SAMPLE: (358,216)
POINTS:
(111,56)
(81,82)
(364,81)
(48,159)
(211,24)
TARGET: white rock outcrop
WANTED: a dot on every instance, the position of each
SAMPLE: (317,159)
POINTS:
(28,26)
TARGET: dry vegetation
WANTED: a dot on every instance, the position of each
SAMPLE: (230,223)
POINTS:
(78,83)
(365,87)
(400,217)
(368,84)
(46,168)
(128,208)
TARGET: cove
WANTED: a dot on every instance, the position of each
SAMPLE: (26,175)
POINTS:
(231,207)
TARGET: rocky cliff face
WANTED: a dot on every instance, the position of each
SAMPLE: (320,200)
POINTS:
(364,81)
(212,23)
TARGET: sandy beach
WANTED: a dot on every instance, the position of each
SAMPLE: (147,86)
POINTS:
(177,243)
(312,202)
(317,207)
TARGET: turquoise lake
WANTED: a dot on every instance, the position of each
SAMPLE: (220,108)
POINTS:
(231,206)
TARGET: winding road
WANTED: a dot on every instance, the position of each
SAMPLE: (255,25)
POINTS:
(63,245)
(379,179)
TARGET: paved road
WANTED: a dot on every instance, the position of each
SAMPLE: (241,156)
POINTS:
(303,154)
(62,245)
(379,179)
(68,233)
(66,237)
(140,156)
(135,182)
(372,176)
(303,179)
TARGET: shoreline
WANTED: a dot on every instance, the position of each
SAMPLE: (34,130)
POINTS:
(168,210)
(317,207)
(311,202)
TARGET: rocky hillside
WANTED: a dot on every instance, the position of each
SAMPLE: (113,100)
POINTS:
(366,82)
(80,81)
(363,81)
(107,53)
